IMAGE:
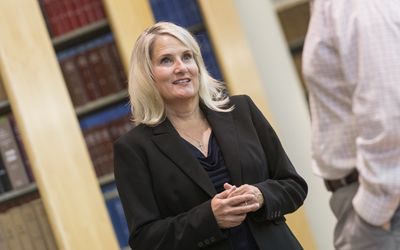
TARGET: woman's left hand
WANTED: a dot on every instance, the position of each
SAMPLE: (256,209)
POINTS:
(247,189)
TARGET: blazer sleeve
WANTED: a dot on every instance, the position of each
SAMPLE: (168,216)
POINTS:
(148,229)
(284,191)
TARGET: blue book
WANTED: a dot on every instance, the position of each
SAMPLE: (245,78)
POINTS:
(208,55)
(117,216)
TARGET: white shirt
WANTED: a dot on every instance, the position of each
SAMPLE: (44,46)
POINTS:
(351,65)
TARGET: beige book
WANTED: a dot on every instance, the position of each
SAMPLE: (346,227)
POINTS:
(3,242)
(9,232)
(44,224)
(20,228)
(32,226)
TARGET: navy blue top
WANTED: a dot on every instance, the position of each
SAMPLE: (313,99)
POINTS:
(214,165)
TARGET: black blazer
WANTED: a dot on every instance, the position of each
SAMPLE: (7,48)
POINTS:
(166,194)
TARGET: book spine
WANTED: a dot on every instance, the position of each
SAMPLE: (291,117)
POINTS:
(115,220)
(9,231)
(80,12)
(44,224)
(21,147)
(73,78)
(20,228)
(88,10)
(70,13)
(63,15)
(111,70)
(53,17)
(32,227)
(3,241)
(98,68)
(98,9)
(5,184)
(113,50)
(93,151)
(11,155)
(88,76)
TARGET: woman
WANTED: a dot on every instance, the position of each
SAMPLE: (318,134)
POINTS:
(201,170)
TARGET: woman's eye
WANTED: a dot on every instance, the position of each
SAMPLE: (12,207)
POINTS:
(165,60)
(187,57)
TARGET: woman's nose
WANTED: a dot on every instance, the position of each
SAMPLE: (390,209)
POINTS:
(180,67)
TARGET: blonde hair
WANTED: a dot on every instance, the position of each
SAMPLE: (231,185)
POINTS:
(146,102)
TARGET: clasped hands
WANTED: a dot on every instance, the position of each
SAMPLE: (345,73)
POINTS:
(231,206)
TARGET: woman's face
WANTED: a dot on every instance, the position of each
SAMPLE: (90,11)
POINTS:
(175,70)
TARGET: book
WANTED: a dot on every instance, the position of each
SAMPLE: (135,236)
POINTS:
(72,77)
(20,228)
(3,242)
(89,11)
(9,231)
(32,227)
(51,8)
(21,147)
(5,184)
(116,213)
(98,9)
(112,47)
(44,224)
(111,71)
(71,15)
(98,68)
(11,156)
(80,12)
(87,73)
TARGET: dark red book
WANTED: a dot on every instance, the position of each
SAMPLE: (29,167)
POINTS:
(80,12)
(112,47)
(94,57)
(111,70)
(87,73)
(69,9)
(21,147)
(89,11)
(54,17)
(63,16)
(98,9)
(72,77)
(94,152)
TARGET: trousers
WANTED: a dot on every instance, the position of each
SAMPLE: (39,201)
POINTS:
(353,233)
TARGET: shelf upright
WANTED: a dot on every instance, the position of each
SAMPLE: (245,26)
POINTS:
(55,146)
(128,19)
(233,52)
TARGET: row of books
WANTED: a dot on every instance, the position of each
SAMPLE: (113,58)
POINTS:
(100,131)
(117,215)
(92,70)
(62,16)
(25,226)
(15,169)
(182,12)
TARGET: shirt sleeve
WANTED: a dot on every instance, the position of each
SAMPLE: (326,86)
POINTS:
(376,106)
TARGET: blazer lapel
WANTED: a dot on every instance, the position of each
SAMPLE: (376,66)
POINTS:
(170,143)
(225,133)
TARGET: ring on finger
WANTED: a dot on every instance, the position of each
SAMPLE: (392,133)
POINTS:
(245,203)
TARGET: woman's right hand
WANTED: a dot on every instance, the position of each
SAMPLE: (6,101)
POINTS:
(230,212)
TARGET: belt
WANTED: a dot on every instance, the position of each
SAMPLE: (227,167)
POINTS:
(333,185)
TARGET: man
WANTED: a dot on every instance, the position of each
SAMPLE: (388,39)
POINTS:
(351,65)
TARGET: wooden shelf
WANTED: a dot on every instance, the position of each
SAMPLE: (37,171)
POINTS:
(102,103)
(32,187)
(81,35)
